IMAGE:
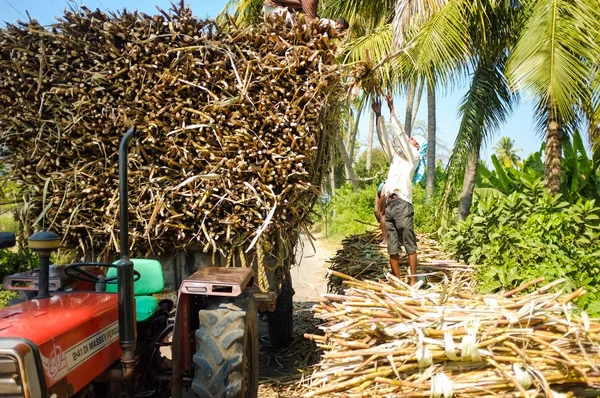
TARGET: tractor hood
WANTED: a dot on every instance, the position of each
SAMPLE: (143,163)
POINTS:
(68,329)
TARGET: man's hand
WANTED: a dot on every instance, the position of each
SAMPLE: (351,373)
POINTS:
(390,100)
(376,105)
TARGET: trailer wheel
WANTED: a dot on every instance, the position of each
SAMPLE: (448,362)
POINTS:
(280,321)
(226,359)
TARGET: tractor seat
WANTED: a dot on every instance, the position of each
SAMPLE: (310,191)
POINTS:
(151,281)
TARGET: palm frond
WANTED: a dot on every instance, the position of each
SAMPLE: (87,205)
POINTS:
(484,108)
(444,44)
(371,50)
(246,12)
(412,14)
(373,12)
(551,60)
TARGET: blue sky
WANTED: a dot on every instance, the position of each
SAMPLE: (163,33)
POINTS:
(519,127)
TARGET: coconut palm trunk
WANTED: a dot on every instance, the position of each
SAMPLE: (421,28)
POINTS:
(413,101)
(350,174)
(430,184)
(553,157)
(466,196)
(409,108)
(370,140)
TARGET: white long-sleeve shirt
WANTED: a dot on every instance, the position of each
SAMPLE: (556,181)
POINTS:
(405,159)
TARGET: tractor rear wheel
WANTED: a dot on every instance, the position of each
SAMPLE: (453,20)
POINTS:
(281,321)
(226,359)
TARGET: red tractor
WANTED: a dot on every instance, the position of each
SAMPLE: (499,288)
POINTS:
(109,341)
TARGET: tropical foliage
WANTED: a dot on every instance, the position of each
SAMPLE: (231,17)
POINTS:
(580,177)
(529,234)
(506,152)
(519,232)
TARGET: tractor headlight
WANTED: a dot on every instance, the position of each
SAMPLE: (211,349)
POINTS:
(20,371)
(11,384)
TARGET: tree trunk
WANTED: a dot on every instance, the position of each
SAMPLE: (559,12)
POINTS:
(350,175)
(466,196)
(354,133)
(370,140)
(332,174)
(553,156)
(417,103)
(408,122)
(430,185)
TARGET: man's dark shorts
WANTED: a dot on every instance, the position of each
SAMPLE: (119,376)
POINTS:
(399,224)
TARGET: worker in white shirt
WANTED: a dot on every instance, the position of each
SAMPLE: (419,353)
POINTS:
(286,8)
(399,212)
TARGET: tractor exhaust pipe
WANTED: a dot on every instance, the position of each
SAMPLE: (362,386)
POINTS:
(127,331)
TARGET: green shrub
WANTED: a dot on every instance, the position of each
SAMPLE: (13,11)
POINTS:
(8,223)
(6,295)
(13,262)
(516,238)
(350,210)
(425,220)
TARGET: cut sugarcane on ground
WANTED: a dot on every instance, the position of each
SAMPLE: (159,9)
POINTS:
(391,339)
(235,127)
(364,257)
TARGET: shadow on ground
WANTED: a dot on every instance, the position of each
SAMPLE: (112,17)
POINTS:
(281,370)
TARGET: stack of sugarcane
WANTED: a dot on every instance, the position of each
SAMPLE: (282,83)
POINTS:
(364,257)
(234,126)
(388,339)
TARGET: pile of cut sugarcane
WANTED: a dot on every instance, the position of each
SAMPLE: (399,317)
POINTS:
(363,257)
(390,339)
(235,126)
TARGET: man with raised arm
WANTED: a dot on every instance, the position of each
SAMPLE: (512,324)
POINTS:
(308,7)
(399,212)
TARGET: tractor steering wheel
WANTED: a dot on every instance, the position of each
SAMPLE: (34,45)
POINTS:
(74,271)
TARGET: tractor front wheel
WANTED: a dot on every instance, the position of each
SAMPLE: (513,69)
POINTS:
(226,359)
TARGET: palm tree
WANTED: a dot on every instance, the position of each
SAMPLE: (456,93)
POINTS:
(484,108)
(430,182)
(370,139)
(506,151)
(548,49)
(413,100)
(555,60)
(552,58)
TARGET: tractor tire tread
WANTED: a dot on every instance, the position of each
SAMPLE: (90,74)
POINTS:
(220,347)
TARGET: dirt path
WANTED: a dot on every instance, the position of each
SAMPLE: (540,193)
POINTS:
(310,275)
(280,370)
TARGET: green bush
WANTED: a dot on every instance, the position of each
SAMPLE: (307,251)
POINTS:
(13,262)
(350,210)
(8,223)
(516,238)
(425,220)
(6,295)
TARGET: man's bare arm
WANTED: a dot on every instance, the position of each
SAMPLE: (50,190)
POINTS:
(401,137)
(309,7)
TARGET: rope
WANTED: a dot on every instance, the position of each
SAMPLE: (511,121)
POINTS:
(229,259)
(263,281)
(243,260)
